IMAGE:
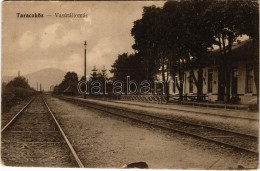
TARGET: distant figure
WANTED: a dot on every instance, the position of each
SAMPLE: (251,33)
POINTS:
(139,165)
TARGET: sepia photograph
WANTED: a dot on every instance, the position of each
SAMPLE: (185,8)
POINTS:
(130,84)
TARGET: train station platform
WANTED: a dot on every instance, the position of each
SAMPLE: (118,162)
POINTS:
(234,113)
(236,120)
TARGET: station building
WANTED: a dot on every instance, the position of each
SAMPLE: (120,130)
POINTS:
(242,83)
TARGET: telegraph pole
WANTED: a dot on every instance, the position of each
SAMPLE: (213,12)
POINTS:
(85,66)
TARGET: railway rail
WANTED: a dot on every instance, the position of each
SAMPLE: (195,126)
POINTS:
(191,111)
(33,137)
(181,110)
(236,140)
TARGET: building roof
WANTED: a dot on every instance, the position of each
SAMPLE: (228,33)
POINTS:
(243,51)
(240,51)
(70,89)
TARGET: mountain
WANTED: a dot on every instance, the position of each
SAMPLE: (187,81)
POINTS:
(46,77)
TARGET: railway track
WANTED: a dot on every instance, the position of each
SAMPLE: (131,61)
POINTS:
(33,137)
(189,111)
(236,140)
(181,110)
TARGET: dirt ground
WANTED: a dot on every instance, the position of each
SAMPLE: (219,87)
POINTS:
(107,142)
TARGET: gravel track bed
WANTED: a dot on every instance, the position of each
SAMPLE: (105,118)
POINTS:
(7,116)
(109,141)
(233,124)
(33,139)
(239,140)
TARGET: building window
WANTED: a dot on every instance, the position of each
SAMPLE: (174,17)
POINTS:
(175,84)
(210,80)
(190,83)
(249,79)
(184,83)
(234,83)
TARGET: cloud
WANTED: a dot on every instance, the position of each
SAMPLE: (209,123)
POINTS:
(26,40)
(49,34)
(75,59)
(73,62)
(56,35)
(104,52)
(72,36)
(55,43)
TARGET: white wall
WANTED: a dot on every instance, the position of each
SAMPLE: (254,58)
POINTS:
(246,98)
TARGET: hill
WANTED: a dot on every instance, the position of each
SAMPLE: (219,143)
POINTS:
(47,77)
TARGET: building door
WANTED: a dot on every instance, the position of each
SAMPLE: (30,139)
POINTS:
(234,82)
(210,80)
(221,84)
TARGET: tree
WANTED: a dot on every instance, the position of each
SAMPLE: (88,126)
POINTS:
(145,33)
(19,82)
(128,65)
(228,21)
(70,79)
(180,36)
(197,39)
(16,90)
(98,79)
(249,25)
(152,34)
(187,42)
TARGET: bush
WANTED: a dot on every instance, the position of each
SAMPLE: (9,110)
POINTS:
(12,93)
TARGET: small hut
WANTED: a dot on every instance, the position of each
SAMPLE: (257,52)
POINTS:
(70,91)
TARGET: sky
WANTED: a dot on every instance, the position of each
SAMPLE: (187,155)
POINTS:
(30,44)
